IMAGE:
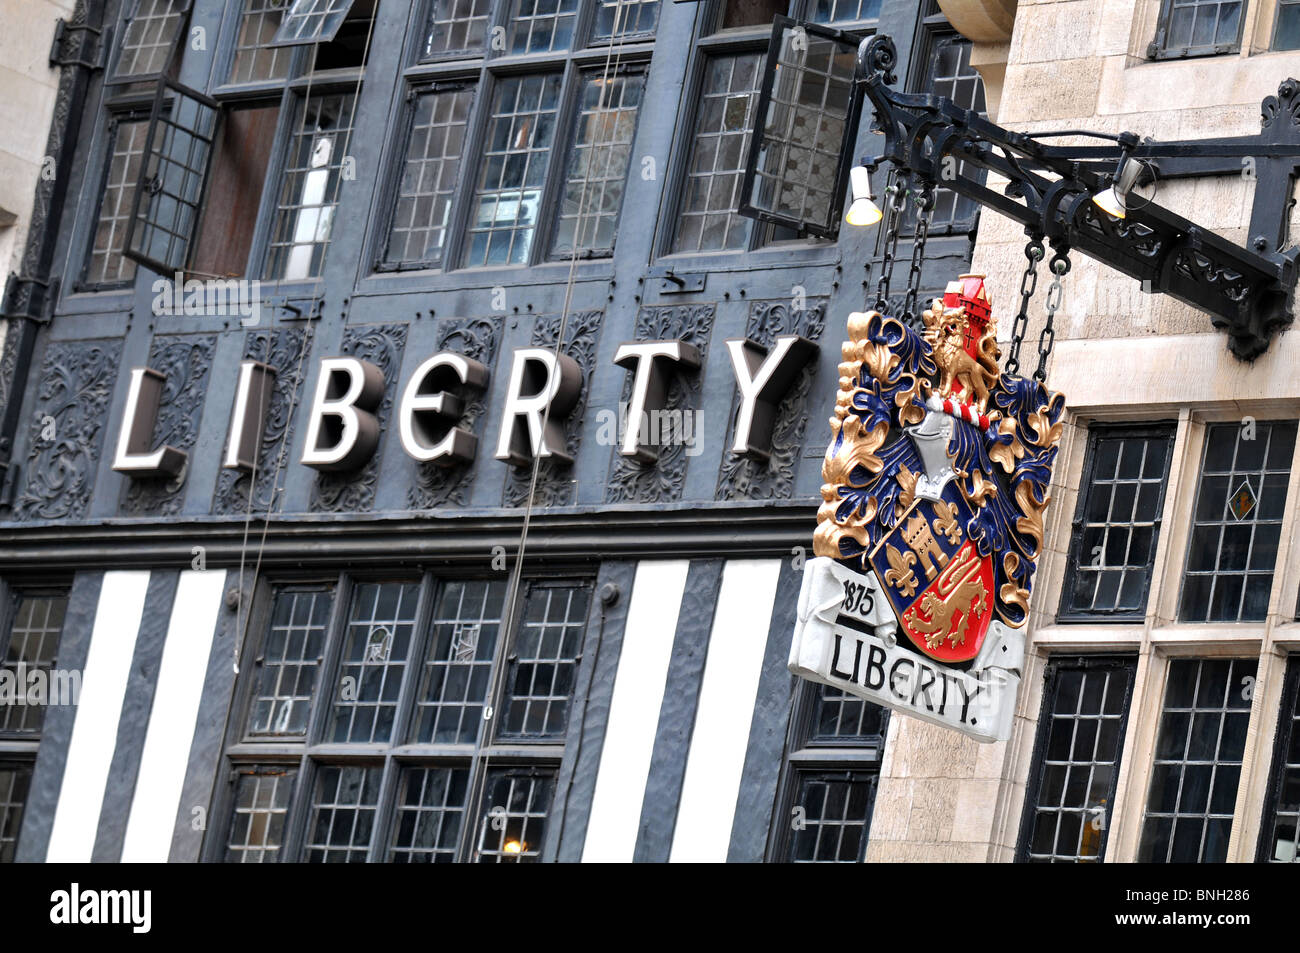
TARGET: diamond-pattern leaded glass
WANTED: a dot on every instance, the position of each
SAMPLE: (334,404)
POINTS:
(32,646)
(796,162)
(107,265)
(1230,558)
(428,184)
(544,663)
(256,59)
(430,815)
(597,173)
(625,18)
(310,185)
(513,822)
(709,221)
(167,201)
(343,809)
(290,661)
(1118,522)
(376,644)
(1198,758)
(1200,26)
(456,26)
(516,152)
(457,675)
(833,815)
(1071,787)
(261,809)
(542,26)
(149,37)
(312,21)
(15,778)
(1280,836)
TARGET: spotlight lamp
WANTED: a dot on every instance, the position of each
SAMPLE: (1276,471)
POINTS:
(863,209)
(1113,200)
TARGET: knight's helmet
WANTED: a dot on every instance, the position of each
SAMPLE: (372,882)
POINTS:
(968,292)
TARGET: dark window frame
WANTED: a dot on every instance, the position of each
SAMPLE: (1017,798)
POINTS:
(1096,433)
(807,758)
(483,70)
(130,10)
(933,29)
(127,110)
(831,227)
(1277,21)
(164,107)
(1159,49)
(1215,572)
(1287,723)
(310,753)
(1038,760)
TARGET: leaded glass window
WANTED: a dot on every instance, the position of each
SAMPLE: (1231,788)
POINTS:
(1070,795)
(149,37)
(1286,31)
(106,266)
(622,18)
(517,150)
(312,21)
(792,175)
(598,164)
(1279,840)
(421,722)
(1198,27)
(256,59)
(427,189)
(709,220)
(837,816)
(1198,758)
(309,187)
(15,779)
(457,26)
(1117,524)
(261,805)
(32,646)
(1237,523)
(949,74)
(542,26)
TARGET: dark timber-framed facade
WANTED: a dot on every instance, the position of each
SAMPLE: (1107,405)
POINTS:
(325,157)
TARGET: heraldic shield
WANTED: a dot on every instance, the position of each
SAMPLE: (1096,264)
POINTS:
(937,583)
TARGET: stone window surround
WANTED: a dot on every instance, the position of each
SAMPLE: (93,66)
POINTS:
(1158,639)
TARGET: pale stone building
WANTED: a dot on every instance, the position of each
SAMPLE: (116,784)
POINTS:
(1142,374)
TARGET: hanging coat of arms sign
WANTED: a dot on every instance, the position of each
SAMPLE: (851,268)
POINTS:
(931,522)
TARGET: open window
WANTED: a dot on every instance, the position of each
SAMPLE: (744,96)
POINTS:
(805,122)
(151,36)
(178,148)
(312,21)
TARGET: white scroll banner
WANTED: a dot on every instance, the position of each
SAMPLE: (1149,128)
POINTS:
(846,636)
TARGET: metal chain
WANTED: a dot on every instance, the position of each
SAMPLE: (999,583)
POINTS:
(1060,268)
(893,221)
(1035,252)
(924,212)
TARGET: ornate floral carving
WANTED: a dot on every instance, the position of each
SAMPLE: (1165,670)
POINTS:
(186,360)
(633,482)
(1285,102)
(284,349)
(478,339)
(742,477)
(67,428)
(555,485)
(381,345)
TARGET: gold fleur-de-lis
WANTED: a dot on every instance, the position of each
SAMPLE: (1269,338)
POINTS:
(899,573)
(947,521)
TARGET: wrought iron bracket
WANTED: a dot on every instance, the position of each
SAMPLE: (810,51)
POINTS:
(1249,293)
